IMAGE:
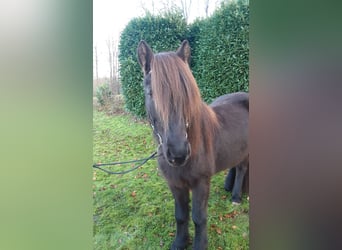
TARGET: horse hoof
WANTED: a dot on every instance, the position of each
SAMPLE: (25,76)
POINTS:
(175,247)
(236,203)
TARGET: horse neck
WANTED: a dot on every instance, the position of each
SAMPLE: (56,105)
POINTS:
(203,134)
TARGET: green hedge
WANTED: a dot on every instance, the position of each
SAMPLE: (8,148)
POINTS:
(219,48)
(163,33)
(221,51)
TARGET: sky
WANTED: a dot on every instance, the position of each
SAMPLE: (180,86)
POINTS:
(110,18)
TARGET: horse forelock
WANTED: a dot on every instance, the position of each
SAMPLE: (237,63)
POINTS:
(175,91)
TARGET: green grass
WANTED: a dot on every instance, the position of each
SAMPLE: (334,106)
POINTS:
(135,210)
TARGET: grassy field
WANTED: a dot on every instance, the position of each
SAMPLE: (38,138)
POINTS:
(135,210)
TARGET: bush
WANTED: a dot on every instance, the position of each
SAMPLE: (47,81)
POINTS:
(103,94)
(220,50)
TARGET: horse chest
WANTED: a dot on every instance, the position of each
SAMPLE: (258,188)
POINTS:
(187,175)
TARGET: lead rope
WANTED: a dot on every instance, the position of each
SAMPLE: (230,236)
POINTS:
(143,160)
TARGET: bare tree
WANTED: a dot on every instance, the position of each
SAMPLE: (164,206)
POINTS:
(115,58)
(186,7)
(110,61)
(146,7)
(96,60)
(113,65)
(206,7)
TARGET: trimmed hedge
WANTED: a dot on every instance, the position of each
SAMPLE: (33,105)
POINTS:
(219,48)
(221,51)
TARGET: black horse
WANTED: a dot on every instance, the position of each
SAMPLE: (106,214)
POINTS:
(196,140)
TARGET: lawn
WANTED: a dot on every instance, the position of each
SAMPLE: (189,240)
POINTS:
(135,210)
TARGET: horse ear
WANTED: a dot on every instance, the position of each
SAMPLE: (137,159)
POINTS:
(145,56)
(184,51)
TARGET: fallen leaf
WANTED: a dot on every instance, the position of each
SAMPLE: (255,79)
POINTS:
(234,227)
(231,215)
(133,194)
(218,231)
(171,234)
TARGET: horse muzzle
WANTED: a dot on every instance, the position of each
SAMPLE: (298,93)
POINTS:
(178,157)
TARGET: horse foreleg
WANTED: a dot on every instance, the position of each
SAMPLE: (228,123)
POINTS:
(241,170)
(181,196)
(200,194)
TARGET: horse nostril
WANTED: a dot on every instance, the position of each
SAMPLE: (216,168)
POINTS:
(170,156)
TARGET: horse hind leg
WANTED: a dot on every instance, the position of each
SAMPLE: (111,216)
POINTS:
(229,182)
(245,185)
(240,174)
(230,179)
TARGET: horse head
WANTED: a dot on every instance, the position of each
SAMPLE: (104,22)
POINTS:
(165,91)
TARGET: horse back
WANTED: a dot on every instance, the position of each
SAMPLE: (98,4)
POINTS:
(238,98)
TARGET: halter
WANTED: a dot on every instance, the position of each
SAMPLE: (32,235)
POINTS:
(157,134)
